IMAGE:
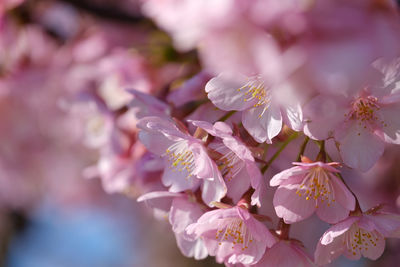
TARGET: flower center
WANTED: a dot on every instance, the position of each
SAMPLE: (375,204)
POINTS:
(227,161)
(256,91)
(318,186)
(234,231)
(363,109)
(358,239)
(180,157)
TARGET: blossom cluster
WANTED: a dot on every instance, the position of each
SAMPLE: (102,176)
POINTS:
(278,71)
(267,113)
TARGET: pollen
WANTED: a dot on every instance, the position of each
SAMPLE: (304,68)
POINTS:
(358,240)
(228,163)
(234,231)
(256,91)
(181,157)
(317,185)
(364,110)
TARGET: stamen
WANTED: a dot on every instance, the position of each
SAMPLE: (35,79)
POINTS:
(359,240)
(363,109)
(180,157)
(256,91)
(317,186)
(234,231)
(229,163)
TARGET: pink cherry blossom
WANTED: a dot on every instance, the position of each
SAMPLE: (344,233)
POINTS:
(356,236)
(362,122)
(235,162)
(308,188)
(233,235)
(187,162)
(262,116)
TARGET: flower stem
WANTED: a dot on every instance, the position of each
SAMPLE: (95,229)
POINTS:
(227,115)
(302,148)
(283,229)
(322,153)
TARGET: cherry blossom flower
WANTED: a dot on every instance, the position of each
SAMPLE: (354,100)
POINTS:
(187,162)
(233,235)
(356,236)
(308,188)
(262,116)
(235,161)
(361,123)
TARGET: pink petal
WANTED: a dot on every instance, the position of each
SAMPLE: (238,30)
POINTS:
(326,166)
(259,231)
(342,194)
(287,176)
(148,105)
(391,122)
(337,230)
(254,174)
(179,181)
(223,127)
(213,190)
(183,212)
(237,147)
(374,252)
(223,92)
(238,185)
(291,207)
(387,224)
(262,128)
(322,116)
(293,116)
(283,254)
(333,213)
(195,249)
(325,254)
(219,129)
(159,201)
(158,124)
(359,148)
(158,194)
(155,142)
(205,167)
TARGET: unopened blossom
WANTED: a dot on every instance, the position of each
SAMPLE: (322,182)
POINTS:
(262,116)
(182,210)
(187,163)
(361,235)
(232,235)
(235,161)
(311,187)
(361,122)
